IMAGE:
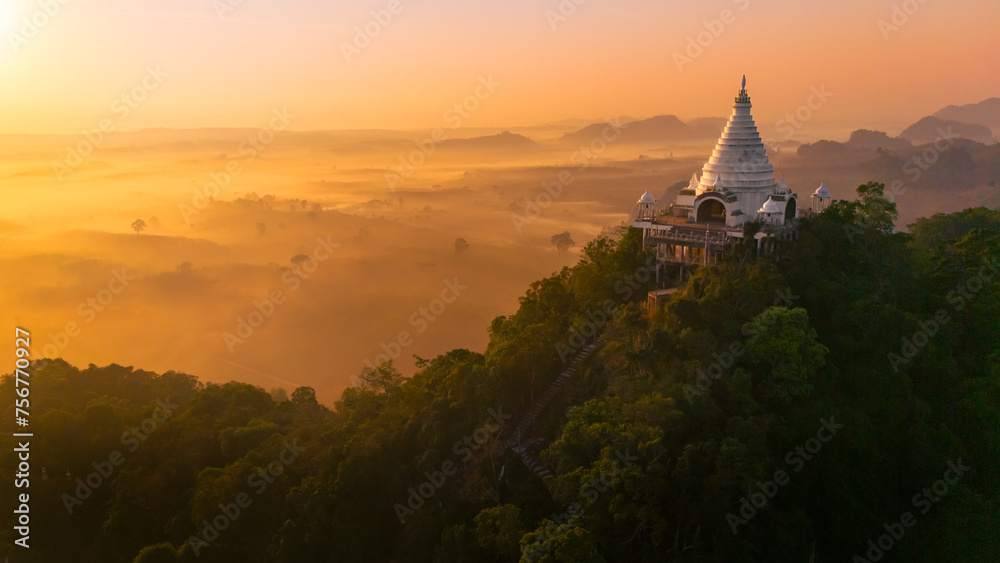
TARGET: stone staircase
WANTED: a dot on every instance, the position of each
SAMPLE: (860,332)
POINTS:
(517,439)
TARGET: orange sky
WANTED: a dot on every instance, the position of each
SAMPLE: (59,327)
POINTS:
(607,58)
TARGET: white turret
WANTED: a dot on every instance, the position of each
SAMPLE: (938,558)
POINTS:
(770,213)
(644,208)
(782,186)
(694,182)
(821,199)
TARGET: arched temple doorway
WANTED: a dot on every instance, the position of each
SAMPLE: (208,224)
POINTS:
(790,210)
(711,211)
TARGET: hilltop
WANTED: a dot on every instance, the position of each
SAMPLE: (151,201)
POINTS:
(986,113)
(784,406)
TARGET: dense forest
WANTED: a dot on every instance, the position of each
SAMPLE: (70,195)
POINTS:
(837,398)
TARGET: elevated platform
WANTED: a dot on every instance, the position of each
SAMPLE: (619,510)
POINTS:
(678,231)
(658,296)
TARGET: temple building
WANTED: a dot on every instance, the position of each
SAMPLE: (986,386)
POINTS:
(736,186)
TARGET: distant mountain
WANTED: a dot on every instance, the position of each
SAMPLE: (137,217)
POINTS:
(505,141)
(862,143)
(827,149)
(986,113)
(989,157)
(873,140)
(708,127)
(930,129)
(662,129)
(954,169)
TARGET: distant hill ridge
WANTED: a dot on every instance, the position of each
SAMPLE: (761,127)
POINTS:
(862,142)
(986,112)
(931,129)
(661,129)
(978,122)
(501,141)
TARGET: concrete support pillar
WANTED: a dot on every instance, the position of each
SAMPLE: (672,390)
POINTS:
(657,265)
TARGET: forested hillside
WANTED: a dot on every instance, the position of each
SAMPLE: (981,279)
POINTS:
(837,399)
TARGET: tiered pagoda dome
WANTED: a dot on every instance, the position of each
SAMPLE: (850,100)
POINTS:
(739,161)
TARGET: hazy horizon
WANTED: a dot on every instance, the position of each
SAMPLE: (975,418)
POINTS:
(238,60)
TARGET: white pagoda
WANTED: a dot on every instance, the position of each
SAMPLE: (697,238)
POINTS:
(737,185)
(738,179)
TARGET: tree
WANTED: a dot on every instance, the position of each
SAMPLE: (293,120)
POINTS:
(278,394)
(499,530)
(461,246)
(383,379)
(872,212)
(783,348)
(304,396)
(877,211)
(564,543)
(159,553)
(562,241)
(138,226)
